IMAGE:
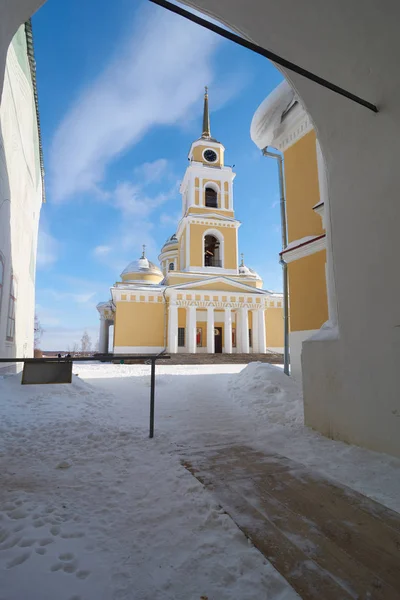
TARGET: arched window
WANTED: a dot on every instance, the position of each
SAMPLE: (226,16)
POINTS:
(211,197)
(171,266)
(11,310)
(212,252)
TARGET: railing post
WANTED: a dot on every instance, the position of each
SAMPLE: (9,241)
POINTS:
(152,394)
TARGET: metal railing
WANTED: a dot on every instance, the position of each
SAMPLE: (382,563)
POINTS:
(210,261)
(121,358)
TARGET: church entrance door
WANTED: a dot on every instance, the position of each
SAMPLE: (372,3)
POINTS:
(218,340)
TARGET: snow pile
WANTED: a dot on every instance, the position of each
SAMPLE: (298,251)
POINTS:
(267,391)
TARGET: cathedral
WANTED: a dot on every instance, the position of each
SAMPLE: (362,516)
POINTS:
(200,298)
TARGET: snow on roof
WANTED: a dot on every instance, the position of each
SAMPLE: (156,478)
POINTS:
(268,115)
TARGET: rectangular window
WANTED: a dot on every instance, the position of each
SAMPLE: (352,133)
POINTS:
(250,339)
(181,336)
(234,338)
(199,337)
(11,311)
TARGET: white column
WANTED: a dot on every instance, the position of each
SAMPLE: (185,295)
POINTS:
(238,333)
(191,329)
(262,344)
(254,331)
(103,335)
(173,329)
(228,331)
(210,330)
(244,330)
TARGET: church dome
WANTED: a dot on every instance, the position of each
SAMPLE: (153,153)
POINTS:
(171,241)
(142,270)
(247,272)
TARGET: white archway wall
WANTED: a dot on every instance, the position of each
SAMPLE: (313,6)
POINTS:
(344,397)
(219,236)
(359,149)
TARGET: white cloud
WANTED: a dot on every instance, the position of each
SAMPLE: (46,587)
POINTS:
(101,250)
(151,171)
(170,219)
(156,77)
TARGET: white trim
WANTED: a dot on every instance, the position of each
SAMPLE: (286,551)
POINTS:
(215,280)
(211,270)
(138,349)
(320,210)
(306,249)
(187,255)
(295,125)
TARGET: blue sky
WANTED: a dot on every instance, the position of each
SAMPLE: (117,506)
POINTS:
(120,90)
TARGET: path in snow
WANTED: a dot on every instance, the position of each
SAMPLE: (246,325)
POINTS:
(91,509)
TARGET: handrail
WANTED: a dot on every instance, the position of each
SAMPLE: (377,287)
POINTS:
(152,358)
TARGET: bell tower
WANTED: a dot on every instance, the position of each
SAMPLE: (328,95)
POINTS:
(207,234)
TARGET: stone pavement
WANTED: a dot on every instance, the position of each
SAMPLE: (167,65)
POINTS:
(328,541)
(210,359)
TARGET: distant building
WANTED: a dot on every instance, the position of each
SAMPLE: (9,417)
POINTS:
(21,197)
(201,299)
(282,123)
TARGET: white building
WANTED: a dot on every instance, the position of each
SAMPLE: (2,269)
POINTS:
(21,197)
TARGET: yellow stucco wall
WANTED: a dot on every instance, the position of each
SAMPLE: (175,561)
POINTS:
(198,155)
(307,292)
(181,317)
(274,327)
(196,245)
(302,190)
(142,277)
(194,210)
(139,324)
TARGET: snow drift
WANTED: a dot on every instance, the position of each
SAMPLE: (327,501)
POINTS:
(266,390)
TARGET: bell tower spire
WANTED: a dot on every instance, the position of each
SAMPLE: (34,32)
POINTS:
(206,117)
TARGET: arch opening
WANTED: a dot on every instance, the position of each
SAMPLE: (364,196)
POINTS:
(211,197)
(212,252)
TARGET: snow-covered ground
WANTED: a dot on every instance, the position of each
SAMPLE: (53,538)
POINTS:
(91,509)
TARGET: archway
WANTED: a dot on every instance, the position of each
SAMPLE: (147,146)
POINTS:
(364,230)
(212,252)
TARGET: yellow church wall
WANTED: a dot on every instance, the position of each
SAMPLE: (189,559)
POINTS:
(307,292)
(205,211)
(181,317)
(142,277)
(139,324)
(302,189)
(274,327)
(196,245)
(198,155)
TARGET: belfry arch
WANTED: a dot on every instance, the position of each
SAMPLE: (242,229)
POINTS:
(359,148)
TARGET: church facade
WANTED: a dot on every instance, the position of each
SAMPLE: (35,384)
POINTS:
(200,299)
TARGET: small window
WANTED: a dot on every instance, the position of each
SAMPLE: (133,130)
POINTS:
(234,338)
(11,311)
(199,337)
(211,198)
(250,339)
(171,266)
(181,336)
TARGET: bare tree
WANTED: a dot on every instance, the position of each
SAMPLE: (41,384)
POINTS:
(86,343)
(75,348)
(38,332)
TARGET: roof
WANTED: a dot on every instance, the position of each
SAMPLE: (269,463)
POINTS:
(143,265)
(32,66)
(269,115)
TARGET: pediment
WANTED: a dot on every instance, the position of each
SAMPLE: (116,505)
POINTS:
(219,284)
